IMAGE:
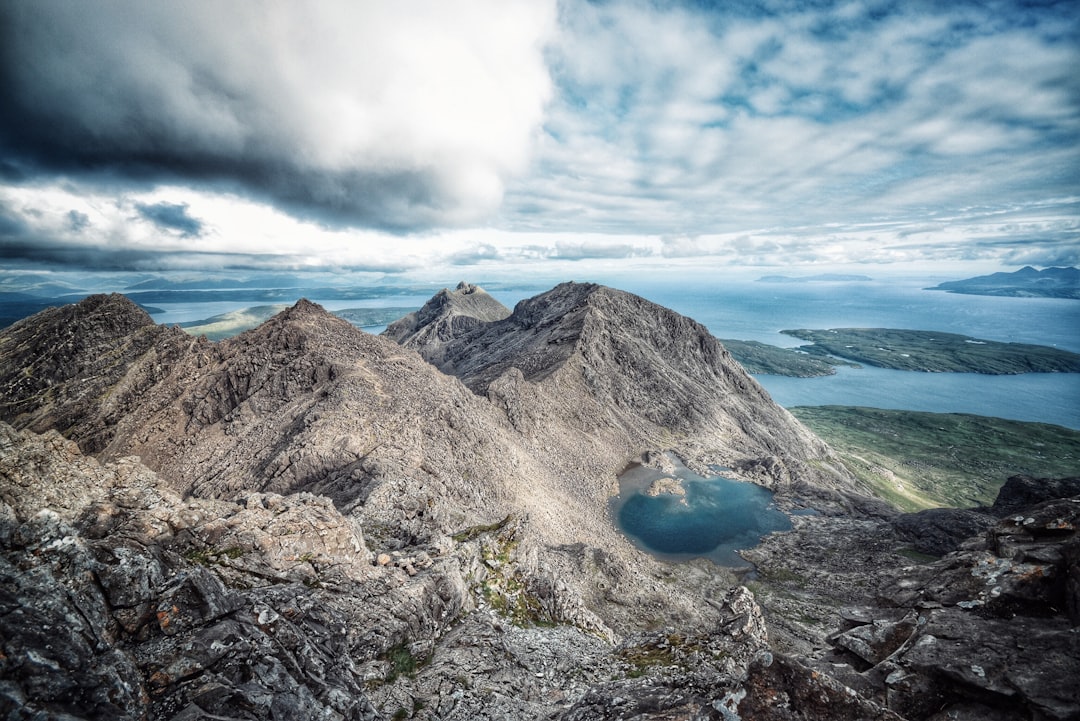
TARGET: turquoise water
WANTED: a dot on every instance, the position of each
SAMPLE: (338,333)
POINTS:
(716,517)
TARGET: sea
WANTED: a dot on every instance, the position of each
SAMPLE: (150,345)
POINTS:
(746,309)
(753,310)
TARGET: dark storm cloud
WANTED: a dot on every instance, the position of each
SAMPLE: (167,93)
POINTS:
(171,216)
(363,126)
(10,226)
(78,222)
(39,252)
(44,252)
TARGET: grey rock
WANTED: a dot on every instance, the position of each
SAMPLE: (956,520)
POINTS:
(1019,492)
(938,531)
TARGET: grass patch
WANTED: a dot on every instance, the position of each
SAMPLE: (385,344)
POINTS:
(919,460)
(671,650)
(916,556)
(476,531)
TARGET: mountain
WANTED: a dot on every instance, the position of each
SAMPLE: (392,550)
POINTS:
(591,369)
(308,521)
(307,402)
(1023,283)
(449,314)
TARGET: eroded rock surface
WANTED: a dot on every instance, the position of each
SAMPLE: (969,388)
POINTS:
(988,631)
(309,522)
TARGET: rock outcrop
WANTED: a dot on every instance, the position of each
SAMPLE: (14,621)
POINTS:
(989,631)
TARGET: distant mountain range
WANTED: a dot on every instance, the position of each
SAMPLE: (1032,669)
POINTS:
(1024,283)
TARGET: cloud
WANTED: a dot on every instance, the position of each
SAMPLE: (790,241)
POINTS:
(405,136)
(78,221)
(696,119)
(389,115)
(169,216)
(473,255)
(607,250)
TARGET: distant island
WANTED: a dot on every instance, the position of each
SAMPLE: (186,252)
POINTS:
(820,278)
(764,359)
(1024,283)
(931,351)
(227,325)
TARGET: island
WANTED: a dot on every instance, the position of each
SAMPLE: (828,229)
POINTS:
(820,278)
(935,352)
(764,359)
(1024,283)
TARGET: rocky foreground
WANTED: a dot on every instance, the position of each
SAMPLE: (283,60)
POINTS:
(310,522)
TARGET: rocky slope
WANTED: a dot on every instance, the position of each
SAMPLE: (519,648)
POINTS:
(306,521)
(623,374)
(121,600)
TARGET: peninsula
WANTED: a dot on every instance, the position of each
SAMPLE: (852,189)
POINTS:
(935,352)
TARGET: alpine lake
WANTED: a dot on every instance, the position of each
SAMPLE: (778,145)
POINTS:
(680,516)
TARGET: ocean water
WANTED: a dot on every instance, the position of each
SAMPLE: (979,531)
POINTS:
(748,310)
(716,517)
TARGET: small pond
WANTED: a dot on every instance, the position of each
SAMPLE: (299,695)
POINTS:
(693,517)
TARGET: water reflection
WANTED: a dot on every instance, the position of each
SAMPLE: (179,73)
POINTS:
(681,515)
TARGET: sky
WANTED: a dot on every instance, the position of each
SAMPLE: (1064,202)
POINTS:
(480,137)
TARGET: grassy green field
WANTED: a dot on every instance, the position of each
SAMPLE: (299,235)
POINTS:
(921,350)
(919,460)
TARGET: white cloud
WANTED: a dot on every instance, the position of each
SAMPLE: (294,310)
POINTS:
(863,132)
(406,114)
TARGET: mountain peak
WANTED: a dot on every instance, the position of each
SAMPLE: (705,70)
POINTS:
(449,314)
(590,352)
(304,308)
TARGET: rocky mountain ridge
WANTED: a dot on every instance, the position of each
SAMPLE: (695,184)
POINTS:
(306,521)
(307,402)
(594,361)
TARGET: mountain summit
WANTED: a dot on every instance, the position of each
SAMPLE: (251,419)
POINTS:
(597,362)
